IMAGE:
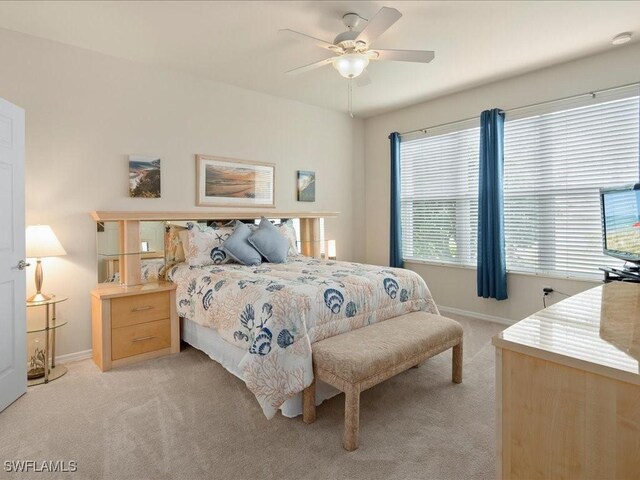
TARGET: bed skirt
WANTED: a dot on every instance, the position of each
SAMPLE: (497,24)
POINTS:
(229,356)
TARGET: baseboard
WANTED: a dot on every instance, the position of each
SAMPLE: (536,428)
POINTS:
(84,354)
(480,316)
(74,357)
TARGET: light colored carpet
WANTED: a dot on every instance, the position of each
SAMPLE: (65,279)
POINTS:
(186,417)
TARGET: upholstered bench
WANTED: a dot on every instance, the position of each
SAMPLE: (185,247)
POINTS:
(360,359)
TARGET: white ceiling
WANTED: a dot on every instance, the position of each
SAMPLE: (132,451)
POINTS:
(238,42)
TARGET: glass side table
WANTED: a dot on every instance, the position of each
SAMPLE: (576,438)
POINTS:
(39,370)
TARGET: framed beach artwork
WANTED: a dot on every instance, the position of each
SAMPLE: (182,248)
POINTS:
(144,177)
(306,186)
(227,182)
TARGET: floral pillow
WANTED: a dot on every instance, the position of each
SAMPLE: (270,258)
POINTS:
(174,250)
(204,245)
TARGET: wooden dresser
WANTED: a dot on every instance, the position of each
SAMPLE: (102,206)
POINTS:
(568,389)
(133,323)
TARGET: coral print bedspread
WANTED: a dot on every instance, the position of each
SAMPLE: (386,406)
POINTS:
(276,311)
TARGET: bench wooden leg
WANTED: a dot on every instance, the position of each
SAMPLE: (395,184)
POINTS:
(351,418)
(309,403)
(457,363)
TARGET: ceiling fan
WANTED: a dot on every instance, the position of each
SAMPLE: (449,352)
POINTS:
(353,50)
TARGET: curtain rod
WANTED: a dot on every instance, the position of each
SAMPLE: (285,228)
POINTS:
(549,102)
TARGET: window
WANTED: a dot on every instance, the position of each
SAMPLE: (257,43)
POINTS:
(555,164)
(439,195)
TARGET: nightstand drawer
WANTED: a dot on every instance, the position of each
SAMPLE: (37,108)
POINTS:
(136,309)
(141,338)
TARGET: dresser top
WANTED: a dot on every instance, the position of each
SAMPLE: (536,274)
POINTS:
(113,290)
(597,330)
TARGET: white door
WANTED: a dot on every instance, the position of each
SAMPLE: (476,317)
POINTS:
(13,342)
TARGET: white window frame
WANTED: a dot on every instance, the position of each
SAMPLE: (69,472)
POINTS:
(407,220)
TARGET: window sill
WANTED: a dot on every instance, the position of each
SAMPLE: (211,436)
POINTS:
(576,278)
(439,264)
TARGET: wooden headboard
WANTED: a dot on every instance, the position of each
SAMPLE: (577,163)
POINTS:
(129,231)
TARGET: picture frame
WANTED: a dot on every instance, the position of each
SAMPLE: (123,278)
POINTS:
(145,177)
(230,182)
(306,186)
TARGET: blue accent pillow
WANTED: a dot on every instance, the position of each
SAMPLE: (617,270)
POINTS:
(268,241)
(238,246)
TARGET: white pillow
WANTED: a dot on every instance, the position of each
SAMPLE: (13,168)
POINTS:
(287,231)
(203,245)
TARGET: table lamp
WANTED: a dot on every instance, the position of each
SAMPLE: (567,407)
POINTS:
(41,242)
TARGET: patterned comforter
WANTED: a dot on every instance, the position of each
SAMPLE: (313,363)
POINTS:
(277,311)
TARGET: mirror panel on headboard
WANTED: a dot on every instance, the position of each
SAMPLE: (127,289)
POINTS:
(132,246)
(107,238)
(150,250)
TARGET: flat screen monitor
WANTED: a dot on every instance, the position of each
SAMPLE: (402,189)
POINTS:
(621,222)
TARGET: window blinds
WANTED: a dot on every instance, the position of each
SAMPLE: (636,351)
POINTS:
(557,157)
(555,164)
(439,195)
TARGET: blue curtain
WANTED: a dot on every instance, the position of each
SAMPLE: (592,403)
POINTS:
(395,241)
(492,269)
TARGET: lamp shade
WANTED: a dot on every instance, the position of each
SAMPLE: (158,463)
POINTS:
(42,242)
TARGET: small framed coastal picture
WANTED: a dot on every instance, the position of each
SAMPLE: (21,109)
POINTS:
(228,182)
(144,177)
(306,186)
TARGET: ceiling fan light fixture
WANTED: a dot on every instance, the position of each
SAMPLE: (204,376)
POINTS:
(351,65)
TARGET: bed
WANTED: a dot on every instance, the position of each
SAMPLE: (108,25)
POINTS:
(260,322)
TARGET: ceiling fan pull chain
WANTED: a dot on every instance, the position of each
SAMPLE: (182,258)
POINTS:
(350,97)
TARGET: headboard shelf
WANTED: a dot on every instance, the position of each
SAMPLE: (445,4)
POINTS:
(204,215)
(129,255)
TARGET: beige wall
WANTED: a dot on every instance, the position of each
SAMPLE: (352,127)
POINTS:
(455,287)
(86,112)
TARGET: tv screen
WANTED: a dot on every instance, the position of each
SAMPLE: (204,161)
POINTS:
(621,223)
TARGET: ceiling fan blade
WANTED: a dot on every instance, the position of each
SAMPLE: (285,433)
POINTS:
(311,66)
(419,56)
(379,24)
(363,79)
(316,41)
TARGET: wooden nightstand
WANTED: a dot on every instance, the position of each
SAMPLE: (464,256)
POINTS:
(134,323)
